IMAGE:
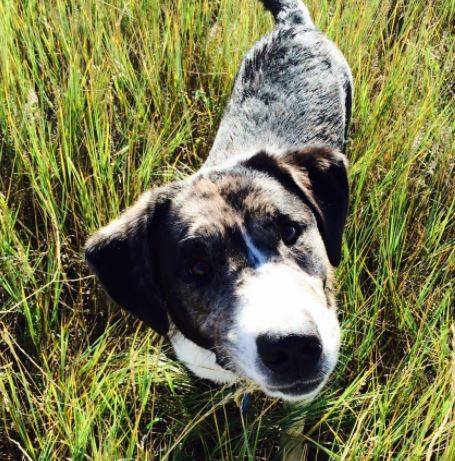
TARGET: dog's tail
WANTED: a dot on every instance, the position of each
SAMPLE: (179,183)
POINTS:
(289,12)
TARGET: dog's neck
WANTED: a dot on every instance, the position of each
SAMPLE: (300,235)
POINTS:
(200,361)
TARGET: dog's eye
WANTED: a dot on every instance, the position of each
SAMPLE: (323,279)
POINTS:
(200,269)
(289,233)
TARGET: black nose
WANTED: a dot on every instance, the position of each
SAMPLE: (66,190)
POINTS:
(292,356)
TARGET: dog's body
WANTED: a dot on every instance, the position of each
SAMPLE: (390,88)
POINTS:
(235,262)
(293,89)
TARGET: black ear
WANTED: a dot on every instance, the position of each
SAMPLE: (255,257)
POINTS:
(322,174)
(123,257)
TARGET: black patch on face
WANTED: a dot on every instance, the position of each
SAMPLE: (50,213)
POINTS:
(318,177)
(267,164)
(264,231)
(200,306)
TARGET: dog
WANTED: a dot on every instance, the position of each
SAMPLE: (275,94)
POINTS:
(235,264)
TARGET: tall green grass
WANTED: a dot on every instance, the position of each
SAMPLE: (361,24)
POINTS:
(102,99)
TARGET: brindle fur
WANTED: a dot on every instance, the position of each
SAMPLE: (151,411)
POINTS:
(276,158)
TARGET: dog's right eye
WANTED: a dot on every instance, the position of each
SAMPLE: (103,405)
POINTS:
(200,269)
(289,233)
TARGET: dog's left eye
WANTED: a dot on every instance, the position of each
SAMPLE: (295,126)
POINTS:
(289,233)
(200,269)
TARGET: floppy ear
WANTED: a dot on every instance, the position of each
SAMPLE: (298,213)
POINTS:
(123,257)
(321,172)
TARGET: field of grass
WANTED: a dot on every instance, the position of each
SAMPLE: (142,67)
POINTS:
(102,99)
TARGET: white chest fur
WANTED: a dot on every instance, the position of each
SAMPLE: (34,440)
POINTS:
(201,362)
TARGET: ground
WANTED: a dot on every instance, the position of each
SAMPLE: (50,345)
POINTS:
(102,99)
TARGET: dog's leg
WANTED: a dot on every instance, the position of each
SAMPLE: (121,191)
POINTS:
(293,447)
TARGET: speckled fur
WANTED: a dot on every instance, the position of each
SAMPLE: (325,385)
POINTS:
(277,159)
(293,89)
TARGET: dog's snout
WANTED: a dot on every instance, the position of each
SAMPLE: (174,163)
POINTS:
(291,356)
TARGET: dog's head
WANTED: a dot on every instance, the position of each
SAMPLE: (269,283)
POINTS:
(239,260)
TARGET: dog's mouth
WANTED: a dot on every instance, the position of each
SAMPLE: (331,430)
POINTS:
(297,389)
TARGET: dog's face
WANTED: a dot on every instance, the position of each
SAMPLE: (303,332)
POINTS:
(239,260)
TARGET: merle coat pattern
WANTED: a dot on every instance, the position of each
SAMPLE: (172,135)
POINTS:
(235,263)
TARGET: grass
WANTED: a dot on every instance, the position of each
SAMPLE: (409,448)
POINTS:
(100,100)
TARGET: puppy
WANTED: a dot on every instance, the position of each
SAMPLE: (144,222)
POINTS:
(235,263)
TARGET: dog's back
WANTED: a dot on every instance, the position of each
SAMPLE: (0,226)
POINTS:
(293,89)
